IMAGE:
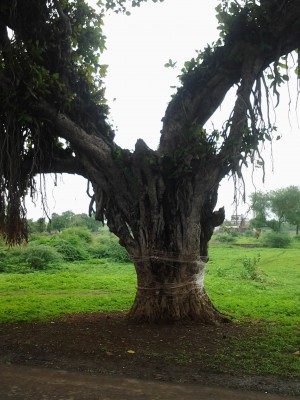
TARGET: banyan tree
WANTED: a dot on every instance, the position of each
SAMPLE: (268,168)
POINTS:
(160,203)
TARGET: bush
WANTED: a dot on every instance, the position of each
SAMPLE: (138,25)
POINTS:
(81,233)
(107,246)
(26,259)
(70,251)
(71,243)
(251,270)
(276,239)
(225,238)
(39,257)
(117,253)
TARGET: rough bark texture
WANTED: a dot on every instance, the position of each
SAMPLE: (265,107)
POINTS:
(170,288)
(171,221)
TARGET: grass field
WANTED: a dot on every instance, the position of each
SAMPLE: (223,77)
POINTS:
(90,285)
(259,286)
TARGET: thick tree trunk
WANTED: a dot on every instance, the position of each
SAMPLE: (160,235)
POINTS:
(170,288)
(165,225)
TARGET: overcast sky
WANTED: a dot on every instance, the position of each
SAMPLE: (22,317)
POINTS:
(139,89)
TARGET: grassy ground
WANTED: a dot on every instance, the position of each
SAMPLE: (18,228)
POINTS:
(90,285)
(256,286)
(270,302)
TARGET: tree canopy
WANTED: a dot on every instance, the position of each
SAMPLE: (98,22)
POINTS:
(273,208)
(52,98)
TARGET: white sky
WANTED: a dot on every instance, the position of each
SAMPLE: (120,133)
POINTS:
(138,91)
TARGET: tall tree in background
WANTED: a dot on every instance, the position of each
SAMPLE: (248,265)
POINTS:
(281,204)
(53,118)
(260,205)
(285,204)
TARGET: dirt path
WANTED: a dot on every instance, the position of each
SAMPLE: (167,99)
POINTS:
(27,383)
(101,351)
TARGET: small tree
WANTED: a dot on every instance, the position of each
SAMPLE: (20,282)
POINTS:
(41,225)
(59,222)
(86,221)
(285,204)
(260,205)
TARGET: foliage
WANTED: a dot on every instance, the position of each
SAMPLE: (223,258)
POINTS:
(107,246)
(122,5)
(69,219)
(260,205)
(38,226)
(30,258)
(83,220)
(69,251)
(59,222)
(72,244)
(283,203)
(56,57)
(225,237)
(82,233)
(276,239)
(40,257)
(251,270)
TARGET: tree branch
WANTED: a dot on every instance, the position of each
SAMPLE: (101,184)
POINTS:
(92,146)
(230,151)
(204,88)
(59,163)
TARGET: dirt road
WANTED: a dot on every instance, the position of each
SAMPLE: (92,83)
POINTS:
(27,383)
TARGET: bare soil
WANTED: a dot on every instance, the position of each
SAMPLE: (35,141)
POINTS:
(106,344)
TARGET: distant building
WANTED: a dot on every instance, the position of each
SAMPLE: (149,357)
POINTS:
(236,219)
(238,222)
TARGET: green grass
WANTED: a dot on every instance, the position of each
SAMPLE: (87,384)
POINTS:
(275,298)
(271,305)
(91,285)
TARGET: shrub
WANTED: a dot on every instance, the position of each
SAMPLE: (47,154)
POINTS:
(70,251)
(107,246)
(117,253)
(39,238)
(81,233)
(225,238)
(39,257)
(251,270)
(26,259)
(276,239)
